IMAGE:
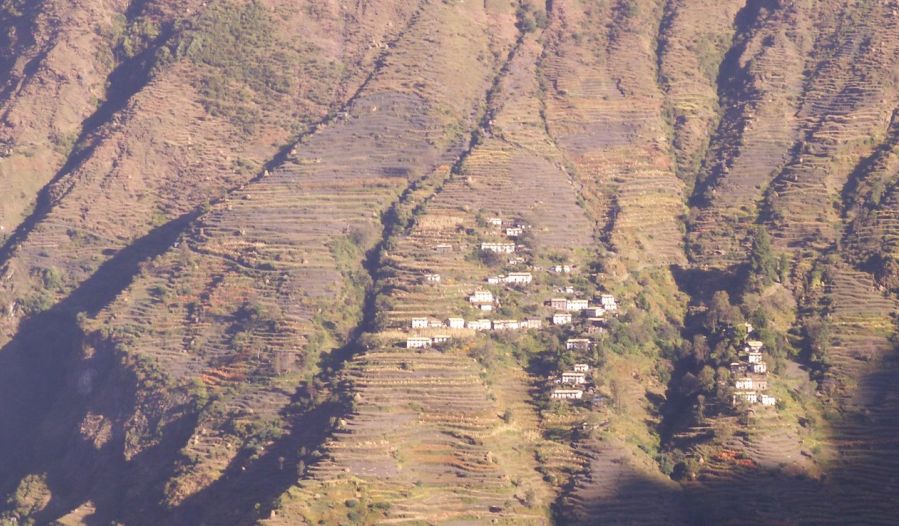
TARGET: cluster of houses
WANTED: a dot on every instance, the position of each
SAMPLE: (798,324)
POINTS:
(566,308)
(569,384)
(512,278)
(512,231)
(750,376)
(419,342)
(572,383)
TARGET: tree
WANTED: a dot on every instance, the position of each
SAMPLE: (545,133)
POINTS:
(721,313)
(764,267)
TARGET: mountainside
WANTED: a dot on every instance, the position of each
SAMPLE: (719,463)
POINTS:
(449,262)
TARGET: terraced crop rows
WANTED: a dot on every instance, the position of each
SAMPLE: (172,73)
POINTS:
(609,126)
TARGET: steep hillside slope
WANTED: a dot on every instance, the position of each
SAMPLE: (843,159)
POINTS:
(448,262)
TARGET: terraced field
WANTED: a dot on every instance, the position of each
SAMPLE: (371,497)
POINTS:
(223,222)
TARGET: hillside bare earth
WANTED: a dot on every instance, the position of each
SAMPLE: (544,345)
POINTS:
(449,262)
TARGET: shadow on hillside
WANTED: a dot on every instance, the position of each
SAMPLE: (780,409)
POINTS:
(632,500)
(47,385)
(249,488)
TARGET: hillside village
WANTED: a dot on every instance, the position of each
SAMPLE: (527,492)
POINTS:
(414,262)
(579,317)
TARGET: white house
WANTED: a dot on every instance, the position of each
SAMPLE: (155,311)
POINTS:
(440,338)
(608,302)
(767,400)
(574,378)
(495,221)
(418,342)
(505,325)
(517,260)
(485,307)
(561,318)
(754,357)
(481,296)
(519,278)
(455,323)
(496,280)
(560,269)
(576,305)
(744,383)
(498,247)
(747,396)
(754,346)
(749,383)
(419,323)
(532,323)
(760,368)
(567,394)
(514,231)
(432,278)
(581,368)
(479,325)
(577,343)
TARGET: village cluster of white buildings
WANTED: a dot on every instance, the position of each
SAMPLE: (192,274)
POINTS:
(569,384)
(750,376)
(572,383)
(420,342)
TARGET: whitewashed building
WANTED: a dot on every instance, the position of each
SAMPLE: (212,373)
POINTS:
(519,278)
(455,323)
(581,368)
(574,378)
(750,397)
(419,323)
(532,323)
(418,342)
(498,247)
(514,231)
(576,305)
(567,394)
(505,325)
(432,278)
(480,325)
(608,302)
(481,296)
(562,318)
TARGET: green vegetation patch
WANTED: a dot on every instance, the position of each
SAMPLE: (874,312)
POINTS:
(244,64)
